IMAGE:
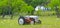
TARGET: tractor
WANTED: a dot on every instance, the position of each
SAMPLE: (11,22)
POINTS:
(28,20)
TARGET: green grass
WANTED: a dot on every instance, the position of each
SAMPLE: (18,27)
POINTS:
(47,22)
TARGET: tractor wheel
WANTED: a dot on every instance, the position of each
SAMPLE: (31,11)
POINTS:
(21,21)
(39,21)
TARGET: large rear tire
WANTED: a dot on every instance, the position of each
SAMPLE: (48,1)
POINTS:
(21,21)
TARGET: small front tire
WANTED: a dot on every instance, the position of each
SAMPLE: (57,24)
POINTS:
(39,21)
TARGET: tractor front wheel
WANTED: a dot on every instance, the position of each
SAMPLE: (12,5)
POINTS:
(39,21)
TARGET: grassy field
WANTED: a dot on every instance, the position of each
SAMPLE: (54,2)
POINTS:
(47,22)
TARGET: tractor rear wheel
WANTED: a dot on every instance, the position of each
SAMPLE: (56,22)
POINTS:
(21,21)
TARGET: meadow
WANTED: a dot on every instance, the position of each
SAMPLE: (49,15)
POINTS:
(47,22)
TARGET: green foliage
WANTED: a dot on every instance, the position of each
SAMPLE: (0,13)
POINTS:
(53,3)
(34,3)
(15,6)
(20,6)
(25,6)
(3,2)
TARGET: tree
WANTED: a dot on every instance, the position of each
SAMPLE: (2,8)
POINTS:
(3,3)
(55,5)
(34,3)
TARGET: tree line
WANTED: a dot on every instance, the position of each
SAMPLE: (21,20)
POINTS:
(11,7)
